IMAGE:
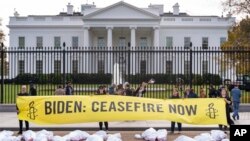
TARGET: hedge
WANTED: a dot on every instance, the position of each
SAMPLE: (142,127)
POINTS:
(107,78)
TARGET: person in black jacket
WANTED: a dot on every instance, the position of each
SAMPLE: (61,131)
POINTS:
(228,101)
(22,93)
(175,95)
(32,90)
(101,91)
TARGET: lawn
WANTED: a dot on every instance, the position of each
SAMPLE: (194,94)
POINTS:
(10,91)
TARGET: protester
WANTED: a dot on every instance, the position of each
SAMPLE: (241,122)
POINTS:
(213,93)
(120,90)
(236,94)
(32,90)
(22,93)
(228,103)
(203,93)
(112,89)
(190,94)
(69,89)
(128,91)
(186,92)
(101,91)
(141,90)
(175,95)
(60,91)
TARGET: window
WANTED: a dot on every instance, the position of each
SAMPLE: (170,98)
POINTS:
(143,66)
(57,42)
(143,42)
(21,66)
(39,42)
(57,66)
(122,42)
(101,66)
(187,67)
(204,67)
(21,42)
(169,42)
(75,66)
(101,42)
(169,67)
(187,42)
(205,43)
(39,66)
(222,40)
(75,42)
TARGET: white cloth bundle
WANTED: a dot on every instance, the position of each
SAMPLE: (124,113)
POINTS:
(204,137)
(44,135)
(161,135)
(184,138)
(218,135)
(94,138)
(114,137)
(29,135)
(102,134)
(59,138)
(77,135)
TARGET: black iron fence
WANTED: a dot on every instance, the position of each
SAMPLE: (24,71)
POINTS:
(89,67)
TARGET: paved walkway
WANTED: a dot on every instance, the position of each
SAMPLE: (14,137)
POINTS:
(9,122)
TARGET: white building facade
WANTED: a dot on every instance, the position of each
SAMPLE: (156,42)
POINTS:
(117,25)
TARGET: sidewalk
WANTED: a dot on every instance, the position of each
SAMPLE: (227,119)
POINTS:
(9,121)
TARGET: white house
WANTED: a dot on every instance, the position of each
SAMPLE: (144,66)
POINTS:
(117,25)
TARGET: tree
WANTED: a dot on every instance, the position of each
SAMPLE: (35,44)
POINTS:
(237,48)
(237,6)
(2,48)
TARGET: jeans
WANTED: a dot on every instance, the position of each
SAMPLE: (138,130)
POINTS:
(236,106)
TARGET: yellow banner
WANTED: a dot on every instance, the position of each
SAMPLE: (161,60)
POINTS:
(77,109)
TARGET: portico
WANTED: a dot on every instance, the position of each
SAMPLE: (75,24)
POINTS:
(121,24)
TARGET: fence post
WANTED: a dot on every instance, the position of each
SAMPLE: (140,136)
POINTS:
(190,67)
(2,71)
(128,64)
(64,75)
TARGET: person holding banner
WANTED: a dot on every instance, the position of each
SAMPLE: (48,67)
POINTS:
(228,101)
(101,91)
(22,93)
(175,95)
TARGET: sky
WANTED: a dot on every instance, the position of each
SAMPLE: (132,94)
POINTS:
(53,7)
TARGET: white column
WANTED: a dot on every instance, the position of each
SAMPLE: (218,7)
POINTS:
(109,63)
(86,47)
(133,36)
(86,36)
(109,36)
(156,36)
(156,46)
(133,45)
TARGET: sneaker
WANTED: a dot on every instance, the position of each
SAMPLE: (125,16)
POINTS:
(179,132)
(238,117)
(19,133)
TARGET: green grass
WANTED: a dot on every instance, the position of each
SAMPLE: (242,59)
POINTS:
(10,91)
